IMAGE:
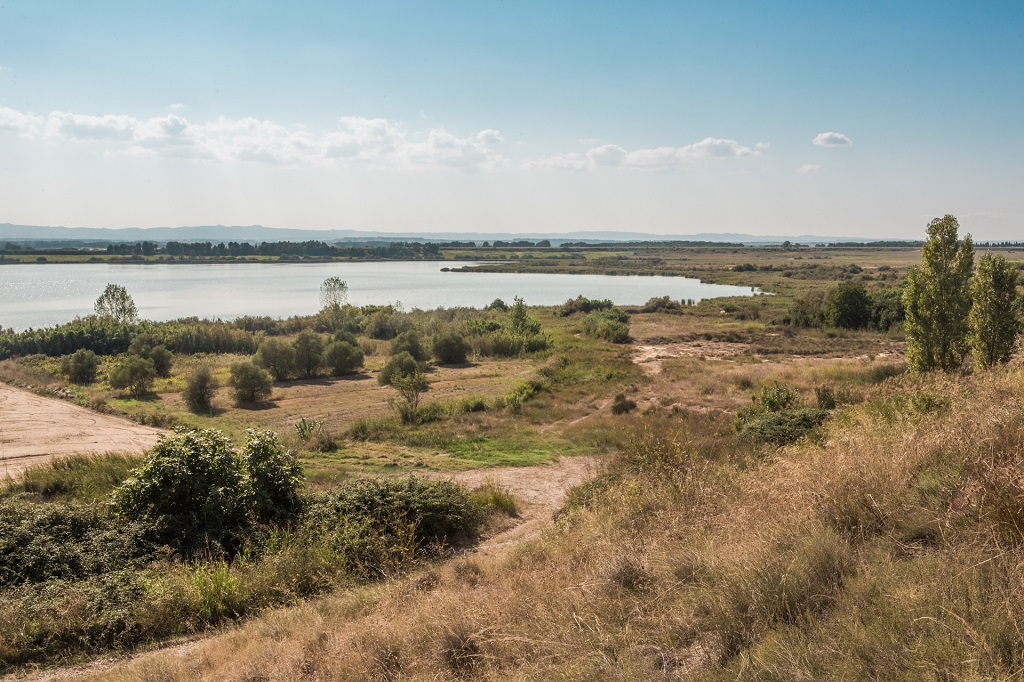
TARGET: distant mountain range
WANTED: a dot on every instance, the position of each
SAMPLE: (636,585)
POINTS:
(259,233)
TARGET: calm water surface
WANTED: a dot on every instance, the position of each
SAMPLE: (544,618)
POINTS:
(44,295)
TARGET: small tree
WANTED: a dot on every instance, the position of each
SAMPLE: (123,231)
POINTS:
(116,304)
(399,365)
(146,346)
(343,357)
(410,388)
(277,357)
(937,299)
(80,367)
(848,306)
(995,318)
(450,348)
(333,298)
(199,390)
(133,373)
(519,321)
(250,383)
(409,342)
(309,353)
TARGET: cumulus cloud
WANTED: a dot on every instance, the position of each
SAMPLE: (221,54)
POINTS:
(809,168)
(18,122)
(374,141)
(831,139)
(654,158)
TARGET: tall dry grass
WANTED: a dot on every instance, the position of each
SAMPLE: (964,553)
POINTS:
(889,550)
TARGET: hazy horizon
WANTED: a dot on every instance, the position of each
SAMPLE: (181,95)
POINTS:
(398,117)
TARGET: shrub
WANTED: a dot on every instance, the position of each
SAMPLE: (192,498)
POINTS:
(80,367)
(386,323)
(622,404)
(308,350)
(782,428)
(277,357)
(401,364)
(409,342)
(197,495)
(251,384)
(200,389)
(450,348)
(581,304)
(497,304)
(848,306)
(808,310)
(410,387)
(133,373)
(610,325)
(343,357)
(146,346)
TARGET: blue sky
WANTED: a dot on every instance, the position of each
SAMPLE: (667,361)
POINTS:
(864,118)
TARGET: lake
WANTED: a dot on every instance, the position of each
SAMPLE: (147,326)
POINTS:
(44,295)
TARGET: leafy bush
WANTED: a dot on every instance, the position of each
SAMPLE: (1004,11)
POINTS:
(386,323)
(848,306)
(782,428)
(664,304)
(199,389)
(277,357)
(497,304)
(439,513)
(197,495)
(409,342)
(808,310)
(401,364)
(80,367)
(610,325)
(145,346)
(133,373)
(251,384)
(450,348)
(343,357)
(102,336)
(582,304)
(308,351)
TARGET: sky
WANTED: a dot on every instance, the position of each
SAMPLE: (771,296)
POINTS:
(767,118)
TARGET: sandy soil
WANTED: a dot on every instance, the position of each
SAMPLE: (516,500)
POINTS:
(650,356)
(34,429)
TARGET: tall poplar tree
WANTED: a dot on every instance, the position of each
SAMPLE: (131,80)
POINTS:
(937,299)
(995,318)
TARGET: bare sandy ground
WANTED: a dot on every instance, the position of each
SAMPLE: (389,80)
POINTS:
(34,429)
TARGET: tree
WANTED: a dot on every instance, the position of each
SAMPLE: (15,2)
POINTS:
(309,353)
(199,390)
(146,346)
(848,306)
(410,387)
(80,367)
(409,342)
(450,348)
(937,299)
(133,373)
(519,321)
(333,298)
(116,304)
(401,364)
(276,356)
(343,357)
(251,384)
(995,317)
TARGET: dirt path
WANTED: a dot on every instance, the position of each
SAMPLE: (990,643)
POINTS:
(540,491)
(34,429)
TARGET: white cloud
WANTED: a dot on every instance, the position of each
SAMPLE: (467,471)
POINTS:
(375,141)
(15,121)
(656,158)
(5,68)
(831,139)
(809,168)
(178,106)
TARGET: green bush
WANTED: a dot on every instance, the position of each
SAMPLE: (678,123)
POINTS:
(581,304)
(308,349)
(199,389)
(146,346)
(277,357)
(198,495)
(848,306)
(450,348)
(133,373)
(250,383)
(343,357)
(610,325)
(80,367)
(409,342)
(402,364)
(782,428)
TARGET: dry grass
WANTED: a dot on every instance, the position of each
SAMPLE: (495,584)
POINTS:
(893,548)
